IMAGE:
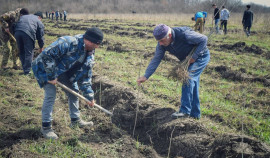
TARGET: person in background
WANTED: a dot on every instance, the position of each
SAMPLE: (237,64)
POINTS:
(27,30)
(198,18)
(247,20)
(57,15)
(65,15)
(216,17)
(179,41)
(68,60)
(224,17)
(204,17)
(7,22)
(52,14)
(61,15)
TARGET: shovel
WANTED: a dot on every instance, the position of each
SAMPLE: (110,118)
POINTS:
(83,98)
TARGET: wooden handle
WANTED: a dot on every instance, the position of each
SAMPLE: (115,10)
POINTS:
(12,37)
(83,98)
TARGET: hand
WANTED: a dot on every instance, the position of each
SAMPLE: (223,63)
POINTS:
(40,50)
(53,81)
(141,80)
(7,29)
(191,60)
(91,103)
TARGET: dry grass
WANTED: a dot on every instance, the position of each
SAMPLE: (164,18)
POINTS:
(260,20)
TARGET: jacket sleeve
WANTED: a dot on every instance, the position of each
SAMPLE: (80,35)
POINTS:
(159,54)
(198,39)
(85,76)
(40,34)
(244,18)
(51,55)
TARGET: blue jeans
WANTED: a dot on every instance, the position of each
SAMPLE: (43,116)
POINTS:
(216,25)
(49,100)
(190,102)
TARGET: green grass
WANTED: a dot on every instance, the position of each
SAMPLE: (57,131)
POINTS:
(235,102)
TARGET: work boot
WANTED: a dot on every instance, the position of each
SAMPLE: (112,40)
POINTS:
(179,115)
(16,67)
(48,133)
(80,123)
(4,67)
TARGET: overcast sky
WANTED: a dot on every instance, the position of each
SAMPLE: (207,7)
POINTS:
(262,2)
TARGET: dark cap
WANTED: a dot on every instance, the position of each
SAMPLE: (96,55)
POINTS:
(248,6)
(94,35)
(24,11)
(160,31)
(39,13)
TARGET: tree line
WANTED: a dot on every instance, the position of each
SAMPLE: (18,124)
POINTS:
(128,6)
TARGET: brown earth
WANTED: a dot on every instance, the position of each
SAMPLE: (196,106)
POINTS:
(155,129)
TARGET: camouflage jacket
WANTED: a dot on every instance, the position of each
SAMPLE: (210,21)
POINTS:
(60,57)
(7,20)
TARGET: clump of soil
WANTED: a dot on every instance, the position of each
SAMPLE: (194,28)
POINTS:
(241,47)
(227,73)
(117,47)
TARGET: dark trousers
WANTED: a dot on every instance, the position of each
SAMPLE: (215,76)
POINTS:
(26,46)
(247,30)
(224,23)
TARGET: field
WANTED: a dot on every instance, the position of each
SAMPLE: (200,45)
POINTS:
(234,94)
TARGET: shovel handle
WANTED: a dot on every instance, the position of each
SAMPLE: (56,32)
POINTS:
(12,37)
(82,97)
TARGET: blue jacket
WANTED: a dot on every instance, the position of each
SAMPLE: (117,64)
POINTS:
(198,15)
(33,27)
(204,14)
(59,57)
(184,40)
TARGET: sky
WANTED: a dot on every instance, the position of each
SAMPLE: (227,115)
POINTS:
(261,2)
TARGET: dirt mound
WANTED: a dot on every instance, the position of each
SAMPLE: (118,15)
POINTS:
(240,75)
(117,47)
(241,47)
(154,126)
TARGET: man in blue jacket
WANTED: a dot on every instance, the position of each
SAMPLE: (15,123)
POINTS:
(27,30)
(69,60)
(179,41)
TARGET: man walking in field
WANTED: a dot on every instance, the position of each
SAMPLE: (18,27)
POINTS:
(179,41)
(247,20)
(69,60)
(216,17)
(224,16)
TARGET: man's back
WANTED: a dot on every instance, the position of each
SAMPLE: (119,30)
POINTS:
(247,18)
(29,24)
(216,13)
(224,14)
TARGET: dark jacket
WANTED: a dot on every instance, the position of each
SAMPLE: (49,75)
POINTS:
(216,13)
(33,27)
(247,18)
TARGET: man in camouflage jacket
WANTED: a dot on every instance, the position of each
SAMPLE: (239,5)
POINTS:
(68,60)
(7,22)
